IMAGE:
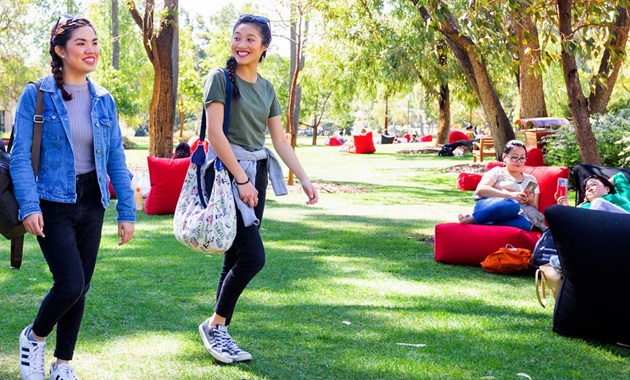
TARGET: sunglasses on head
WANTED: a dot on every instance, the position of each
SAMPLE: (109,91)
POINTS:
(253,18)
(62,20)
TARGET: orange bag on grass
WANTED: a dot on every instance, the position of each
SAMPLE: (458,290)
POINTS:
(508,260)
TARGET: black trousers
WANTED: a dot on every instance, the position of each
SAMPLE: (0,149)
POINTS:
(246,257)
(73,237)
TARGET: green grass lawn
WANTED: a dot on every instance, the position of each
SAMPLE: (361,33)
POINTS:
(349,288)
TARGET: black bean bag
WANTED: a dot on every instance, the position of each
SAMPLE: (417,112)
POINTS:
(594,250)
(583,171)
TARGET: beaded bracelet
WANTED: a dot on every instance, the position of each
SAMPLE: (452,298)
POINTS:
(242,183)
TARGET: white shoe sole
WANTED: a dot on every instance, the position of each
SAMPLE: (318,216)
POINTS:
(218,356)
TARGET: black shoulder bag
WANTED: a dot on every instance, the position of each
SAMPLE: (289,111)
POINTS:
(10,227)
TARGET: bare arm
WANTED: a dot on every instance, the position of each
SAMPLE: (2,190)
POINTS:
(486,189)
(287,154)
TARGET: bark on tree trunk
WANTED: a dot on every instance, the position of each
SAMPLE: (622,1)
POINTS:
(477,75)
(578,104)
(116,45)
(530,84)
(609,67)
(159,48)
(444,124)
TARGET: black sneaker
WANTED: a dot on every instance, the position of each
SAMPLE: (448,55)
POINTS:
(216,339)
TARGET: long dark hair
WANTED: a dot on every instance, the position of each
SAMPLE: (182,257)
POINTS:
(601,179)
(263,26)
(59,36)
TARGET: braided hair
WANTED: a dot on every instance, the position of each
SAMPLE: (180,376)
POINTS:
(59,36)
(263,26)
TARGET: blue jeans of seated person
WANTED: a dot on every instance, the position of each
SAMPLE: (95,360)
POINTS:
(500,212)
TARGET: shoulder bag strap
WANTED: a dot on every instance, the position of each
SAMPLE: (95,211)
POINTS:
(199,156)
(38,124)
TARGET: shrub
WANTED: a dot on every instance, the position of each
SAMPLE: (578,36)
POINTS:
(128,144)
(612,133)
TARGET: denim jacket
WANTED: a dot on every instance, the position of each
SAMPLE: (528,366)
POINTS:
(56,178)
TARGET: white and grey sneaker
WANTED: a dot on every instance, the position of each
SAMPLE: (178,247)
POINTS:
(238,355)
(216,339)
(62,371)
(31,356)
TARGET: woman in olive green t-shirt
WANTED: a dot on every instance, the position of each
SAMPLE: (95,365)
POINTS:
(254,109)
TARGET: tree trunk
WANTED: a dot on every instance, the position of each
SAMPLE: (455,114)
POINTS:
(296,65)
(578,104)
(159,48)
(444,124)
(386,115)
(314,127)
(116,44)
(530,84)
(477,75)
(609,66)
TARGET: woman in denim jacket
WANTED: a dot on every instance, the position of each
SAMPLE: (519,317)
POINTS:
(64,205)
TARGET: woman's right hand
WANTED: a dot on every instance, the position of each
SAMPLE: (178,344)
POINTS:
(563,200)
(34,224)
(248,194)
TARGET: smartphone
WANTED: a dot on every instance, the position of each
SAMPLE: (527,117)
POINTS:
(531,187)
(563,184)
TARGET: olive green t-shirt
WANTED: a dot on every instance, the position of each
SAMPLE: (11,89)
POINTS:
(249,114)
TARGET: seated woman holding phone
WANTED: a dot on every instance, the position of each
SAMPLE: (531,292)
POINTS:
(506,196)
(601,194)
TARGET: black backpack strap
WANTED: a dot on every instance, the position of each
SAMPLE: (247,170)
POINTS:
(17,246)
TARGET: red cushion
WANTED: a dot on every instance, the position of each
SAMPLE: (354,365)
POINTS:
(547,178)
(535,157)
(112,193)
(167,178)
(333,141)
(363,144)
(468,181)
(457,135)
(469,244)
(427,138)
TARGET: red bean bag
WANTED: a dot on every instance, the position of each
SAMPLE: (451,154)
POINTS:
(333,141)
(468,181)
(363,144)
(112,193)
(469,244)
(167,178)
(457,135)
(427,138)
(535,157)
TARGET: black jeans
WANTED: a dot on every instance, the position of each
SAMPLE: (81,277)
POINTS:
(73,236)
(246,257)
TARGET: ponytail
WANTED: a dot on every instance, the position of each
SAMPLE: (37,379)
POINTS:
(230,66)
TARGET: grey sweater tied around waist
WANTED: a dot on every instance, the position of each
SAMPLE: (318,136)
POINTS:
(248,161)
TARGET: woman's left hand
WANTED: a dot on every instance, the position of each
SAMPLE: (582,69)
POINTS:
(125,232)
(310,191)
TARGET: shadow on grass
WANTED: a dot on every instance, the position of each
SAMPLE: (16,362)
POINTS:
(321,270)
